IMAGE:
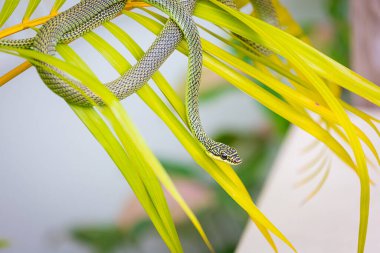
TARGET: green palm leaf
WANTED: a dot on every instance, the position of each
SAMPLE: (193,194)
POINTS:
(314,79)
(6,11)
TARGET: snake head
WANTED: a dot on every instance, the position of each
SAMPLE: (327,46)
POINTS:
(225,153)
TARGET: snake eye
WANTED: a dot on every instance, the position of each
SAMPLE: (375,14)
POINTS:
(223,156)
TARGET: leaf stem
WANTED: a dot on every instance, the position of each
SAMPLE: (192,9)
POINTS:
(14,72)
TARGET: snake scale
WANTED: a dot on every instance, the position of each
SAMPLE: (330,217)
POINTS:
(89,14)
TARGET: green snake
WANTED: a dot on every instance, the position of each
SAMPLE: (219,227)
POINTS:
(88,14)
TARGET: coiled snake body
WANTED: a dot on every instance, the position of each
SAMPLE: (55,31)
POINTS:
(89,14)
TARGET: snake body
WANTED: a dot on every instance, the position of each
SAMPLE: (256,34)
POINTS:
(181,16)
(50,33)
(87,15)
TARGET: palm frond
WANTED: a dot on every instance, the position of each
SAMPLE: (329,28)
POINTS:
(305,85)
(6,11)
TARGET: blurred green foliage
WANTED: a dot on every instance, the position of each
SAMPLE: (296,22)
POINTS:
(101,239)
(3,244)
(340,44)
(332,36)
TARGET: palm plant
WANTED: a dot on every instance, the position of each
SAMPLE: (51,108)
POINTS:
(301,84)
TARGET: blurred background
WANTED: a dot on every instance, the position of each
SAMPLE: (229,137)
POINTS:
(60,192)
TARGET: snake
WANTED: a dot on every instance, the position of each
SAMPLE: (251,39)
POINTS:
(88,14)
